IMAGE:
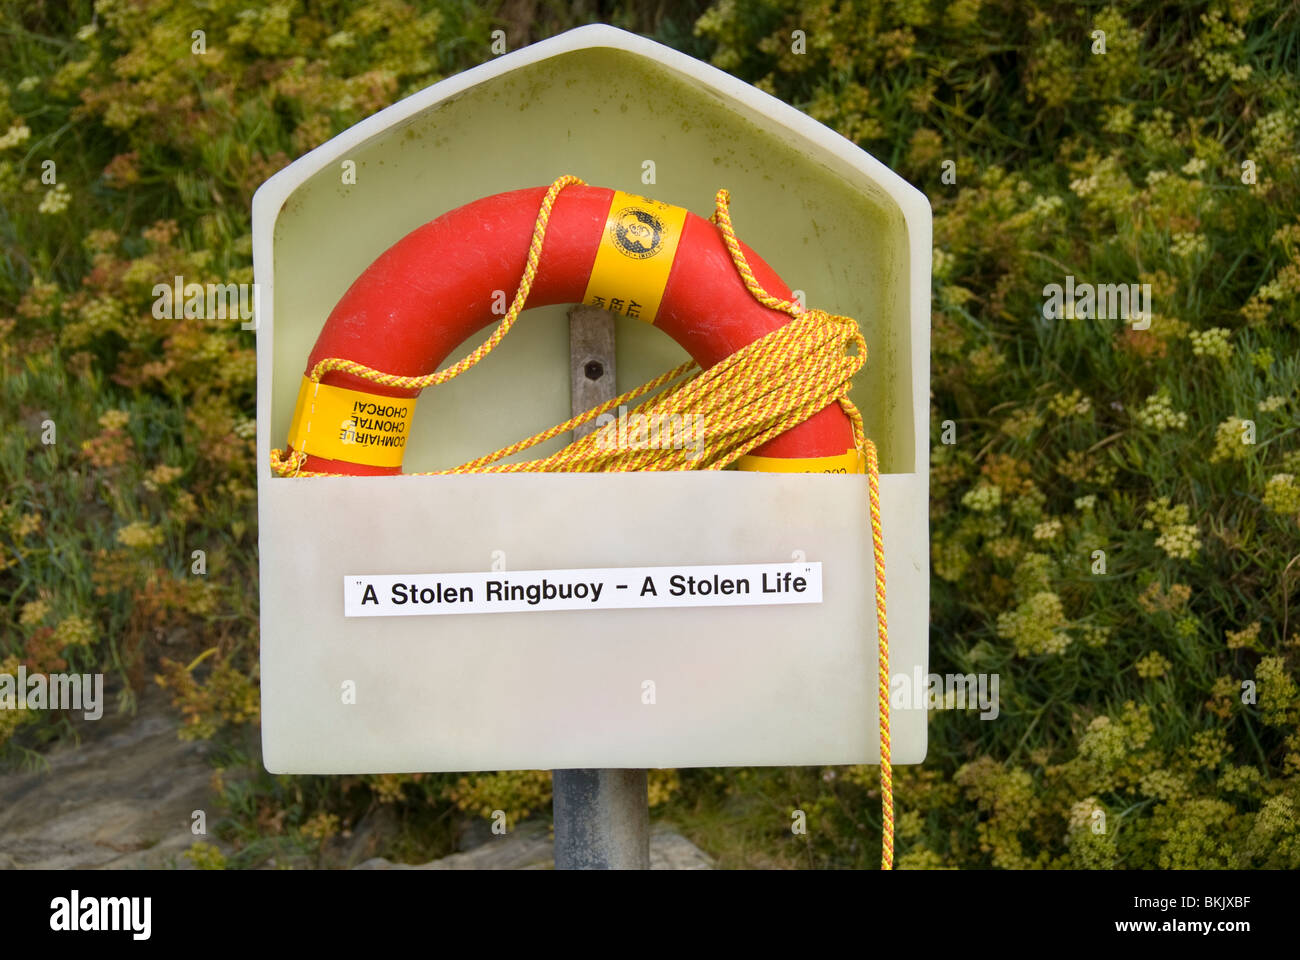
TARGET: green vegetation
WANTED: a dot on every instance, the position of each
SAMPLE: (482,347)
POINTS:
(1172,159)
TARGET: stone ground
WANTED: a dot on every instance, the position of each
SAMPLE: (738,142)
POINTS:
(124,797)
(529,847)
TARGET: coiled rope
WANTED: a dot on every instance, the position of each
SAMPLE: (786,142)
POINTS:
(742,401)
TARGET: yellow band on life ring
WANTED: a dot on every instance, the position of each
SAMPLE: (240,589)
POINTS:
(850,461)
(341,424)
(636,253)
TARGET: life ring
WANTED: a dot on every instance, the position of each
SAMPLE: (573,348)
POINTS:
(438,285)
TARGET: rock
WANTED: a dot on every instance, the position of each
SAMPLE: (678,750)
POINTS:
(371,835)
(121,799)
(530,847)
(669,850)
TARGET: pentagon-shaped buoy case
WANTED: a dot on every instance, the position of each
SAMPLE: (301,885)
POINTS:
(695,662)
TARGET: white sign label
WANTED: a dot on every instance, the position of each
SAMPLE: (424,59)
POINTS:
(611,588)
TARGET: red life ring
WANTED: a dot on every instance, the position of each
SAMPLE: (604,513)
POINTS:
(436,286)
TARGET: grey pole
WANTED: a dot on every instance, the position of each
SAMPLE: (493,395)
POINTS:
(602,817)
(602,820)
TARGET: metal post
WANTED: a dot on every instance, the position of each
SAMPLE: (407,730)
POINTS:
(602,817)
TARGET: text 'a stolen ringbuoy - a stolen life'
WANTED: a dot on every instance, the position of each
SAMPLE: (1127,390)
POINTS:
(610,588)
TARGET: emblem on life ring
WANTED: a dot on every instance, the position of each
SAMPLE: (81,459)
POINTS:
(637,233)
